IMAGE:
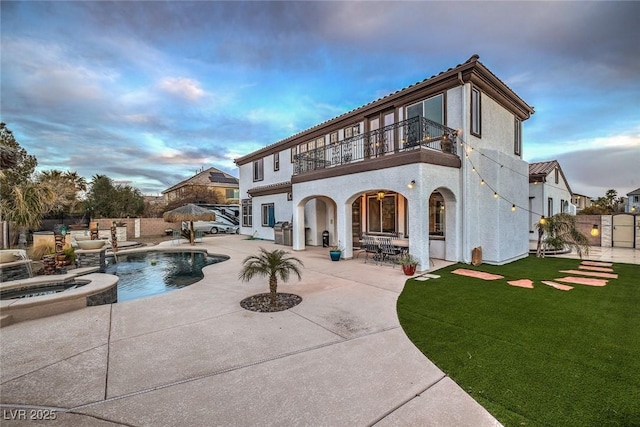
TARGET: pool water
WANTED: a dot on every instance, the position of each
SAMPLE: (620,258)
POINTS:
(151,273)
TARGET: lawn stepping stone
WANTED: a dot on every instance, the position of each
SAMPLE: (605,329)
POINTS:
(421,278)
(431,276)
(597,263)
(557,285)
(583,281)
(522,283)
(477,274)
(601,269)
(591,273)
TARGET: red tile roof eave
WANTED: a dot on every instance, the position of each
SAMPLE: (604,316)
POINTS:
(464,70)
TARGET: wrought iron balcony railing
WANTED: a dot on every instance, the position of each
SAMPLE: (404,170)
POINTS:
(410,134)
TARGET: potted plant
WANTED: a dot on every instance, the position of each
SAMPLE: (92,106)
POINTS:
(409,264)
(335,252)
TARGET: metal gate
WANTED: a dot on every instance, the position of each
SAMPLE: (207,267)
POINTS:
(623,231)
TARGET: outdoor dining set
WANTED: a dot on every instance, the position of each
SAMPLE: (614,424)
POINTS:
(383,248)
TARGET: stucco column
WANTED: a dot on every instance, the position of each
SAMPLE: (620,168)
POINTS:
(419,227)
(343,227)
(298,228)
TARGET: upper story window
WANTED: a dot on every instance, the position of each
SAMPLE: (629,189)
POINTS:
(517,137)
(556,175)
(333,138)
(276,161)
(352,131)
(476,112)
(231,193)
(258,170)
(431,108)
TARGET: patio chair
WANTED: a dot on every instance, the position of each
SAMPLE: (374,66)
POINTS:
(389,251)
(198,236)
(175,238)
(370,247)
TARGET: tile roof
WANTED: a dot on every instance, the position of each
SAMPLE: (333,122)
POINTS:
(543,168)
(472,62)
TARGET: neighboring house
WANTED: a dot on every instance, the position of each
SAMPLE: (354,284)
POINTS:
(410,164)
(581,201)
(632,204)
(549,192)
(211,179)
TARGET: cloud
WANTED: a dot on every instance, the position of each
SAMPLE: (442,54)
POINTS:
(116,86)
(182,88)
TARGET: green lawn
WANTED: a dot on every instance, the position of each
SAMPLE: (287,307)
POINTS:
(534,356)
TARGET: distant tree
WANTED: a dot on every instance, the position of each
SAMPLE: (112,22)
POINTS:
(592,210)
(154,209)
(196,194)
(559,232)
(17,166)
(113,201)
(610,203)
(68,188)
(272,264)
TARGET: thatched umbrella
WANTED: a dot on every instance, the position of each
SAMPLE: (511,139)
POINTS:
(189,213)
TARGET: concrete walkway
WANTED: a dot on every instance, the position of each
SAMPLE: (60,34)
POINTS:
(194,357)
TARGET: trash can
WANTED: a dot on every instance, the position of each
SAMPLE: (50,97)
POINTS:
(278,232)
(325,239)
(287,231)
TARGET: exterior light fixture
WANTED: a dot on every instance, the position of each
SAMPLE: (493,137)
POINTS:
(411,184)
(495,195)
(513,208)
(380,195)
(543,220)
(594,230)
(482,182)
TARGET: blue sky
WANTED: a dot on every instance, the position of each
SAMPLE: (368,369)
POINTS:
(149,92)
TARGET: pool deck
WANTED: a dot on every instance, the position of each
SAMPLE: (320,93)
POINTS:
(194,357)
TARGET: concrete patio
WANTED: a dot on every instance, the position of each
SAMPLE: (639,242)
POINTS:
(195,357)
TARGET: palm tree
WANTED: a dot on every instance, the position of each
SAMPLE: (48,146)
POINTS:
(561,232)
(272,264)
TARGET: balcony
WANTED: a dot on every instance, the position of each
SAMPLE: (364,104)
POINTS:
(412,134)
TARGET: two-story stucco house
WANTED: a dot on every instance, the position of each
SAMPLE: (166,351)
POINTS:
(549,193)
(206,180)
(438,163)
(633,202)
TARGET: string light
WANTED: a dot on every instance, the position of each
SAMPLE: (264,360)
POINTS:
(514,207)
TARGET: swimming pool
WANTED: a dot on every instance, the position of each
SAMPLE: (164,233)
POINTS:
(144,274)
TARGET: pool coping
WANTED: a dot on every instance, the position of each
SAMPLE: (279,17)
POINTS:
(21,309)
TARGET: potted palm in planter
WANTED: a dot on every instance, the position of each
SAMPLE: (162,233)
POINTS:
(409,264)
(335,252)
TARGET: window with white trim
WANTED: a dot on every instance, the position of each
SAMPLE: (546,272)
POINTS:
(276,161)
(268,215)
(247,213)
(258,170)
